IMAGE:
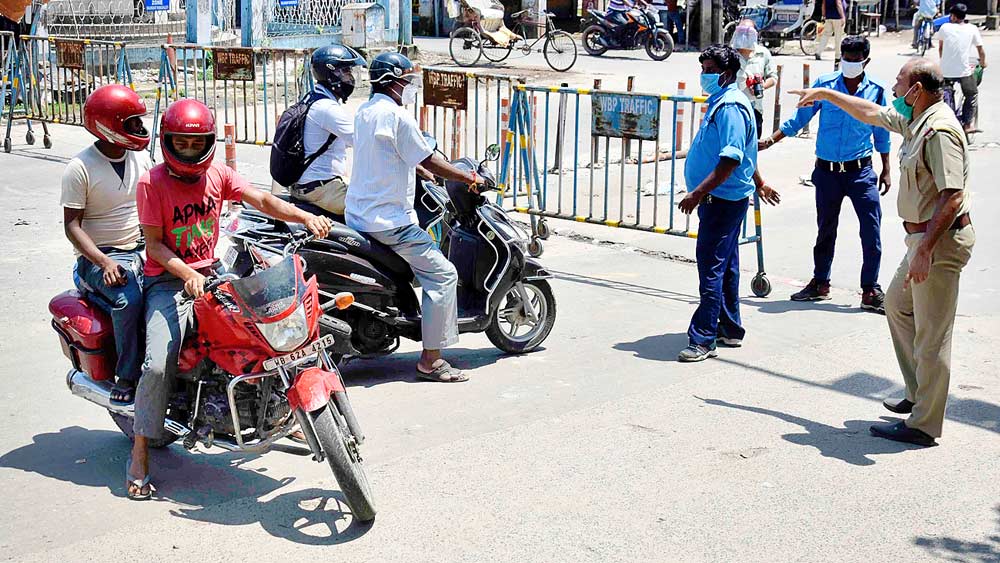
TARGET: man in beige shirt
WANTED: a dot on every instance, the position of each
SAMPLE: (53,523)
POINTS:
(934,206)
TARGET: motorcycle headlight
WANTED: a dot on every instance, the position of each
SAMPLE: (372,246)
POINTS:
(287,334)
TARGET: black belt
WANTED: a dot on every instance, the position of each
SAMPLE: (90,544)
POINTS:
(310,186)
(846,166)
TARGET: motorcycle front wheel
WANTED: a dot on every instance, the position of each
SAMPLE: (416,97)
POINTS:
(125,425)
(342,455)
(660,46)
(508,320)
(592,41)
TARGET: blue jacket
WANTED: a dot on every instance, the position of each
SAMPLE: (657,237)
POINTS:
(729,130)
(841,137)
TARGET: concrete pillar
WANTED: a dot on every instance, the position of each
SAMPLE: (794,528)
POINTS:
(199,21)
(252,28)
(705,25)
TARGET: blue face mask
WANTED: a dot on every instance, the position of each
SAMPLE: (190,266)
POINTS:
(710,83)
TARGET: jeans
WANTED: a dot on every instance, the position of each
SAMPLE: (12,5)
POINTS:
(970,95)
(672,19)
(861,188)
(168,318)
(124,304)
(438,282)
(718,255)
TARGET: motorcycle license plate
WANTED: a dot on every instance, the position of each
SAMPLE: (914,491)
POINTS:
(274,363)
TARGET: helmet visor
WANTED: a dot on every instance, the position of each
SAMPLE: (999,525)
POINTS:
(190,149)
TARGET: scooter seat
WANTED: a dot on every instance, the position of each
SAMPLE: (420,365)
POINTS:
(385,256)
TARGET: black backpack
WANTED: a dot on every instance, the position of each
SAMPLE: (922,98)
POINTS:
(288,153)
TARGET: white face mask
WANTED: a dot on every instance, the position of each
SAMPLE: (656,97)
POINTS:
(410,93)
(852,69)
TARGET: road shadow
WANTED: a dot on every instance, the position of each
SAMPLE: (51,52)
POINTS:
(772,306)
(402,367)
(628,287)
(659,348)
(202,484)
(852,444)
(308,517)
(954,549)
(972,412)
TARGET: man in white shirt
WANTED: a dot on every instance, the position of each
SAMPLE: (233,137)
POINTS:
(956,40)
(388,148)
(100,218)
(329,128)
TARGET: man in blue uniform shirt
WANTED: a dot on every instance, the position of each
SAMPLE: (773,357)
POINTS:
(844,149)
(721,175)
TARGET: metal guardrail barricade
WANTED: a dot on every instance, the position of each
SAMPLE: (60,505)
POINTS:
(608,181)
(465,111)
(247,87)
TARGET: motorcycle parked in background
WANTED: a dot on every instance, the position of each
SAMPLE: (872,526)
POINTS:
(643,29)
(256,368)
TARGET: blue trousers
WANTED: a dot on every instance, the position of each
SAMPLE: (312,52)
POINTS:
(124,304)
(671,20)
(718,255)
(862,189)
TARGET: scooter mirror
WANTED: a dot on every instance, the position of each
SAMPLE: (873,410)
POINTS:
(431,141)
(493,152)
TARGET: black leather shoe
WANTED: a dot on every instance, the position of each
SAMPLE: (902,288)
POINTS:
(900,432)
(898,406)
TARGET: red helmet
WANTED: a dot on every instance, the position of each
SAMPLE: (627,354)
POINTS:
(187,118)
(108,109)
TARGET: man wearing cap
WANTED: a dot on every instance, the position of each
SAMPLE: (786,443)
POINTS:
(844,148)
(934,206)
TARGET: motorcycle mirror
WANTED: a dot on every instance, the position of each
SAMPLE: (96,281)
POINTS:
(493,152)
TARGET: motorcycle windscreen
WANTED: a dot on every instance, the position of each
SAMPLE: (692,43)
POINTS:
(272,291)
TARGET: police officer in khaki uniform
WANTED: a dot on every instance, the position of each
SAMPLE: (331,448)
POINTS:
(934,205)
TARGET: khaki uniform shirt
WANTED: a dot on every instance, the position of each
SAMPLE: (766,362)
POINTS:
(934,157)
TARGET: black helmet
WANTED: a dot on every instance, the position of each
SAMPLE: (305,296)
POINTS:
(331,67)
(390,67)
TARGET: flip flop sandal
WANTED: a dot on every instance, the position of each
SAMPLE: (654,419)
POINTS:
(139,484)
(126,390)
(444,373)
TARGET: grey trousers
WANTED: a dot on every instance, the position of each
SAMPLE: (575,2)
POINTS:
(168,317)
(970,97)
(438,279)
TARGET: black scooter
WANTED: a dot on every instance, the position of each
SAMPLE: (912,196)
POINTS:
(501,291)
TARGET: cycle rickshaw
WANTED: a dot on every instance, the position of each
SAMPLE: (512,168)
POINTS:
(485,35)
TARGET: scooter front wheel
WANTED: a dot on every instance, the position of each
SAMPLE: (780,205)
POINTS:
(511,328)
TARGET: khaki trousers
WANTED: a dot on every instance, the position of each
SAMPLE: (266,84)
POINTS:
(330,196)
(836,29)
(921,318)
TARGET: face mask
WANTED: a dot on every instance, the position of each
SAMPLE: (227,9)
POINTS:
(710,83)
(904,109)
(744,38)
(852,69)
(410,93)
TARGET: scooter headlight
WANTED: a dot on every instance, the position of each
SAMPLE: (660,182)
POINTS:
(287,334)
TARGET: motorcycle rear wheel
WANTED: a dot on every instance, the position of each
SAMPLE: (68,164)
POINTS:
(332,434)
(507,319)
(125,425)
(592,41)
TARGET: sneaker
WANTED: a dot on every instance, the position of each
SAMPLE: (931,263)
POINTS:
(729,342)
(813,291)
(873,300)
(696,353)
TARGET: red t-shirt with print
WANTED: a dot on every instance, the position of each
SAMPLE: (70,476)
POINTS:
(187,213)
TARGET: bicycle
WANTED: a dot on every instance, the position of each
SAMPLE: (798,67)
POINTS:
(469,43)
(925,35)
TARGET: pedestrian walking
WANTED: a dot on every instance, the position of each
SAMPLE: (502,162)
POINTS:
(833,15)
(959,60)
(671,18)
(934,206)
(721,175)
(844,148)
(757,72)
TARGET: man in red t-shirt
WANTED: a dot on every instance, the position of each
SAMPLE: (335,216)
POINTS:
(179,205)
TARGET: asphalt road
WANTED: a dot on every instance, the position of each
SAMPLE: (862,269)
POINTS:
(599,447)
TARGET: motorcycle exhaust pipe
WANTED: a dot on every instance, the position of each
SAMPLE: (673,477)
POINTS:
(99,393)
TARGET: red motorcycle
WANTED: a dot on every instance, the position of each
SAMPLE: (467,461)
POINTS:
(254,370)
